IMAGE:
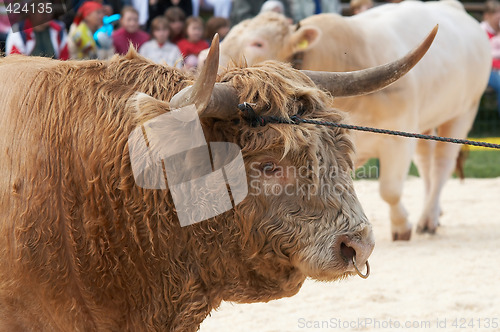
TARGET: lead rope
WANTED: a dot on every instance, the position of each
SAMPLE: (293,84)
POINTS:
(254,120)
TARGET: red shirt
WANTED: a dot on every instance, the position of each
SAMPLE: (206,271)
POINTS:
(24,41)
(122,38)
(496,61)
(494,43)
(187,48)
(176,39)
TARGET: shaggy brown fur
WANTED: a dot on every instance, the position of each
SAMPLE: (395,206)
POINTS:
(83,248)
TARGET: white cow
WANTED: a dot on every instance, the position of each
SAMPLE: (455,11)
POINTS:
(440,95)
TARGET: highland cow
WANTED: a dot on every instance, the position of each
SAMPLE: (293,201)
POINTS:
(84,248)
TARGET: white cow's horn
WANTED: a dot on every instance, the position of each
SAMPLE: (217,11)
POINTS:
(372,79)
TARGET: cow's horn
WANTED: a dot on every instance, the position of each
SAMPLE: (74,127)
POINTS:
(200,93)
(372,79)
(223,103)
(212,99)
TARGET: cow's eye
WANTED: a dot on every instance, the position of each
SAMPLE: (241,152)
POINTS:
(268,167)
(257,44)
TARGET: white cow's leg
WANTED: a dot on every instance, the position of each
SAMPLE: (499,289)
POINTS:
(423,160)
(443,164)
(395,159)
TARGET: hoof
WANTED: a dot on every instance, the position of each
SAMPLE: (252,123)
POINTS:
(426,229)
(421,230)
(404,236)
(431,231)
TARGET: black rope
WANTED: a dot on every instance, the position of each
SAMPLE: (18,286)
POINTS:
(254,120)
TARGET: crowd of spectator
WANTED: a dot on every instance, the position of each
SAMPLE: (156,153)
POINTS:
(491,24)
(165,31)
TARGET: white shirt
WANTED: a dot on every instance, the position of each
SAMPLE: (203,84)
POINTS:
(167,53)
(142,6)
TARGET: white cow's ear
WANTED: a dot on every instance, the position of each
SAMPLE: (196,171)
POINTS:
(304,38)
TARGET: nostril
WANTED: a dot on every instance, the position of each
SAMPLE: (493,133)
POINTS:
(347,252)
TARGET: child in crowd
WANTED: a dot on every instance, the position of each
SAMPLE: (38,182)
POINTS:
(38,35)
(194,43)
(177,21)
(218,25)
(159,49)
(129,32)
(491,25)
(272,6)
(359,6)
(81,34)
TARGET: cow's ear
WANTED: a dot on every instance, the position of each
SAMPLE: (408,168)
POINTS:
(304,38)
(143,107)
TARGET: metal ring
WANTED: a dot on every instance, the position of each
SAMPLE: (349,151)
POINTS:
(364,276)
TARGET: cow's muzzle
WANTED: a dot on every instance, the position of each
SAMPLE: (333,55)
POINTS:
(354,250)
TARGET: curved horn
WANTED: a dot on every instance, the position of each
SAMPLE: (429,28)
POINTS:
(372,79)
(223,104)
(201,92)
(219,100)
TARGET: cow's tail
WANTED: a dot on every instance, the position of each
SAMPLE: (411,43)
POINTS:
(461,159)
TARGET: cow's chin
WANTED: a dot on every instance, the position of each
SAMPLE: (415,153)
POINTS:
(329,276)
(332,270)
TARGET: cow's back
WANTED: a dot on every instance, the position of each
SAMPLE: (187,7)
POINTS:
(452,76)
(44,148)
(454,72)
(65,126)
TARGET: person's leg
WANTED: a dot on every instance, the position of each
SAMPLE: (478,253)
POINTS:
(3,38)
(494,82)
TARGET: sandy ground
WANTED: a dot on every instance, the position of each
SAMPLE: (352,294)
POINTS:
(446,282)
